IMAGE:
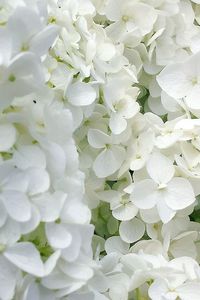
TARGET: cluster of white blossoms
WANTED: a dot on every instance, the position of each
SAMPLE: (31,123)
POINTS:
(99,149)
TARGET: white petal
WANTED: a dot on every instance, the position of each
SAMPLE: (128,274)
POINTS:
(179,247)
(17,205)
(10,232)
(158,289)
(50,205)
(115,244)
(28,156)
(189,290)
(26,257)
(8,278)
(25,64)
(165,212)
(32,292)
(155,166)
(131,231)
(58,236)
(17,181)
(113,10)
(77,271)
(156,106)
(18,88)
(72,252)
(59,124)
(117,123)
(81,94)
(150,215)
(6,46)
(38,181)
(106,51)
(144,17)
(3,214)
(109,161)
(31,224)
(98,139)
(77,213)
(169,103)
(51,262)
(56,159)
(134,262)
(174,81)
(7,137)
(191,99)
(179,194)
(145,194)
(125,212)
(42,41)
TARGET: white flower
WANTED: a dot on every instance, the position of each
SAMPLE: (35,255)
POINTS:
(19,76)
(163,190)
(131,16)
(122,207)
(29,33)
(112,156)
(181,81)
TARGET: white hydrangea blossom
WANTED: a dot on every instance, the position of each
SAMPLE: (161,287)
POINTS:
(99,149)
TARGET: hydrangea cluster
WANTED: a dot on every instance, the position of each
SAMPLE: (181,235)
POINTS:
(99,149)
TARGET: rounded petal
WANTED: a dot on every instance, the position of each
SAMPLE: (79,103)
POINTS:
(3,214)
(160,168)
(58,236)
(179,194)
(28,156)
(80,94)
(145,194)
(42,41)
(26,257)
(189,290)
(17,205)
(165,212)
(174,81)
(7,137)
(125,212)
(109,161)
(50,205)
(157,289)
(98,139)
(77,213)
(131,231)
(38,181)
(115,244)
(8,279)
(117,123)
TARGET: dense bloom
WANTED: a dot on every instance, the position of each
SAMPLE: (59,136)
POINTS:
(99,149)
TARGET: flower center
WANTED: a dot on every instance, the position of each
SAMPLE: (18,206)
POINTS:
(125,18)
(162,186)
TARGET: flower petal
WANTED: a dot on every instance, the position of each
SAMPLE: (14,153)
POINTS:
(7,137)
(58,236)
(109,161)
(179,193)
(131,231)
(17,205)
(145,194)
(155,166)
(80,94)
(26,257)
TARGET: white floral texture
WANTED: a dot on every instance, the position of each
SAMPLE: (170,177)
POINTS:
(99,149)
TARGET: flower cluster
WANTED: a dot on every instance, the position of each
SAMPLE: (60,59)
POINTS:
(99,149)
